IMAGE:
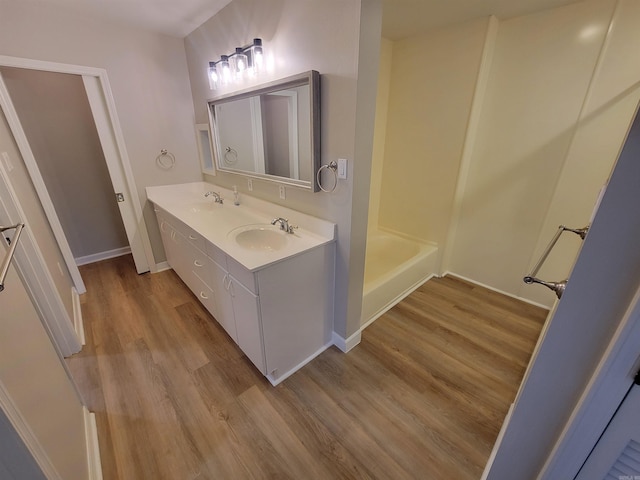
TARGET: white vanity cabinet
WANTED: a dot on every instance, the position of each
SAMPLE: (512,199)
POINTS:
(238,308)
(279,315)
(186,259)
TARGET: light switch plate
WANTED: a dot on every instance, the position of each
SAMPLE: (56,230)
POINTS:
(342,168)
(250,184)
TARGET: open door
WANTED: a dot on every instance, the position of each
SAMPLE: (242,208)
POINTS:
(107,125)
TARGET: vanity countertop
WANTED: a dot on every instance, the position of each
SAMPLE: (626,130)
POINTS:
(217,223)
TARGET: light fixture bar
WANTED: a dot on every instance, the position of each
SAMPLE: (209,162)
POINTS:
(247,61)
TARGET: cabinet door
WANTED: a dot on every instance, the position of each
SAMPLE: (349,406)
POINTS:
(247,314)
(180,252)
(166,232)
(220,281)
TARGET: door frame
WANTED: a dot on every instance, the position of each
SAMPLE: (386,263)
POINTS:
(66,334)
(103,108)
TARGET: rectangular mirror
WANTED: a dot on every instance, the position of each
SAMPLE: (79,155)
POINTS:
(271,131)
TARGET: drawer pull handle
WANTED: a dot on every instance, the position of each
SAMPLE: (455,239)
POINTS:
(197,263)
(191,237)
(204,296)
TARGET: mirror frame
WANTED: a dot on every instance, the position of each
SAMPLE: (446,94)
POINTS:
(311,78)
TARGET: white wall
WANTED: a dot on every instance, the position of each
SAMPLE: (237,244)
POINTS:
(148,76)
(55,114)
(302,36)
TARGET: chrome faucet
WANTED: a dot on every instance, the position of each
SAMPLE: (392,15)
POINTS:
(284,224)
(216,197)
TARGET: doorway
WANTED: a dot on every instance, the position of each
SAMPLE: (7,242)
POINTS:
(56,117)
(102,108)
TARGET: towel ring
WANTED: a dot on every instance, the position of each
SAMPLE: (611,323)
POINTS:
(165,160)
(332,166)
(230,156)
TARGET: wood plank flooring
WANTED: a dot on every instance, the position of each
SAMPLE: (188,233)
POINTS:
(423,396)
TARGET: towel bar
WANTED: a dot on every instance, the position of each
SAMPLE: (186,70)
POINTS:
(557,287)
(4,267)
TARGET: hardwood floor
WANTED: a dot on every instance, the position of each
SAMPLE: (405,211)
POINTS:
(423,395)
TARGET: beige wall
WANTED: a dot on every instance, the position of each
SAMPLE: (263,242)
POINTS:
(55,114)
(380,131)
(36,218)
(301,36)
(552,117)
(433,79)
(607,113)
(536,90)
(148,76)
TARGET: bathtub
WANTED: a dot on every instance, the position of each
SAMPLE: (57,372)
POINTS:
(394,267)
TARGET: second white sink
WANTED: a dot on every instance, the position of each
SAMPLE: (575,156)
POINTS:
(260,237)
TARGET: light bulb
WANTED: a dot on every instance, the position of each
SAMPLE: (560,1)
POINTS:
(225,70)
(257,58)
(240,63)
(213,76)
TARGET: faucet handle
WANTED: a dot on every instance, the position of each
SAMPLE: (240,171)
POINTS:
(216,197)
(284,224)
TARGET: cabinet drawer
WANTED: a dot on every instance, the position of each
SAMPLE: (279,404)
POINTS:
(200,265)
(205,296)
(189,233)
(244,276)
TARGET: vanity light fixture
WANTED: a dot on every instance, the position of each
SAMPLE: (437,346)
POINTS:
(245,61)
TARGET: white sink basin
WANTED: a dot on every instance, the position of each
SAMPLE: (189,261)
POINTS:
(203,206)
(261,237)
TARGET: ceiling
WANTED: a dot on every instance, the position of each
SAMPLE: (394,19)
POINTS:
(401,18)
(404,18)
(177,18)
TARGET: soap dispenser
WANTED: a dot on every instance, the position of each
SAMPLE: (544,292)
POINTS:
(236,196)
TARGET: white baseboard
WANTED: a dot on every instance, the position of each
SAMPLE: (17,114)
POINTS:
(497,290)
(161,267)
(93,448)
(346,344)
(96,257)
(283,377)
(78,324)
